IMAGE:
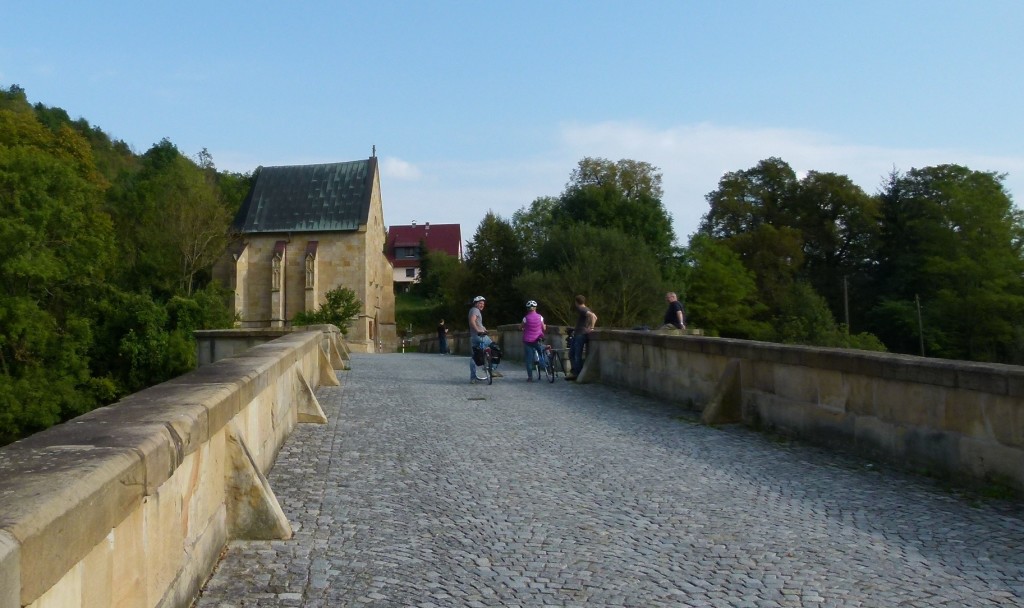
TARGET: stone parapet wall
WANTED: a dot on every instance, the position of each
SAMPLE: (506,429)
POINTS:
(131,504)
(956,418)
(216,344)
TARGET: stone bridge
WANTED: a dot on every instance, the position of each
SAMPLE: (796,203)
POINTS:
(646,486)
(424,490)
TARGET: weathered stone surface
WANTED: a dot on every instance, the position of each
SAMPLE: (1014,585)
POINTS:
(10,571)
(431,491)
(60,502)
(125,506)
(253,510)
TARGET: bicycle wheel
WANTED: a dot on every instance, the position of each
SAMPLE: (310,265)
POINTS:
(489,366)
(550,368)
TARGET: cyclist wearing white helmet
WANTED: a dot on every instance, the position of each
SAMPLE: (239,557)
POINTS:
(478,337)
(533,329)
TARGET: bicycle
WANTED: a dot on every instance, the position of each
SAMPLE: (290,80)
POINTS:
(552,361)
(486,362)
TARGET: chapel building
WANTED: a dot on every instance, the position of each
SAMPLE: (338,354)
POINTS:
(304,230)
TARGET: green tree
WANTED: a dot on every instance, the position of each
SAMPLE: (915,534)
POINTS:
(952,238)
(50,195)
(173,222)
(441,281)
(750,211)
(722,295)
(494,258)
(838,224)
(806,319)
(532,227)
(617,272)
(340,308)
(625,196)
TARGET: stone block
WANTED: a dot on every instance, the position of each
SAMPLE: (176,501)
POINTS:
(1004,418)
(10,571)
(877,437)
(66,593)
(833,392)
(130,567)
(201,488)
(761,377)
(114,427)
(964,413)
(60,502)
(796,383)
(860,394)
(164,538)
(910,404)
(98,574)
(981,377)
(990,461)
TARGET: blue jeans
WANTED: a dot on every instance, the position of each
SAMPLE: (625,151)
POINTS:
(579,340)
(529,348)
(476,342)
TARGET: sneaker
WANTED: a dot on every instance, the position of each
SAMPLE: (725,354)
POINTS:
(570,377)
(496,374)
(530,379)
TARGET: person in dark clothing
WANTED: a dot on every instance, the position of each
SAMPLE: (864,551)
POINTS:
(675,317)
(442,338)
(585,323)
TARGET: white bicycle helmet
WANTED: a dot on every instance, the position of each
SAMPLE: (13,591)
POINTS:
(479,299)
(531,304)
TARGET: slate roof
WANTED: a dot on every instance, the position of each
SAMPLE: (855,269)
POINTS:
(308,198)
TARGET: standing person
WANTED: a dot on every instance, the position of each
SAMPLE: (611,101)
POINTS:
(675,318)
(585,323)
(533,329)
(442,338)
(478,337)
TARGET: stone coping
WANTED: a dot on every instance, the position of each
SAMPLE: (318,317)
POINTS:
(63,489)
(992,378)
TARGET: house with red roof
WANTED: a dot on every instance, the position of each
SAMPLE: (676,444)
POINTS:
(406,246)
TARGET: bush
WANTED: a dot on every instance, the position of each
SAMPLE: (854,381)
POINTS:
(340,309)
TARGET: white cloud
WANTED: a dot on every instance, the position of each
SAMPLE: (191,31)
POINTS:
(395,168)
(693,158)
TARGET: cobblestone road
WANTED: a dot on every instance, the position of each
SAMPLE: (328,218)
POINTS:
(424,490)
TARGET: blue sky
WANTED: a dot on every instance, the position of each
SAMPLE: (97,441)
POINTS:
(485,105)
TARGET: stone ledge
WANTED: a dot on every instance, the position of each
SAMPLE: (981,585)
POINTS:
(60,501)
(63,490)
(991,378)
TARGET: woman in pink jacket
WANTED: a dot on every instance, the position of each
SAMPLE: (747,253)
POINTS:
(533,328)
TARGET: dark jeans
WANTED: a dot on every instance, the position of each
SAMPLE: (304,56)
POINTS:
(579,342)
(442,346)
(533,352)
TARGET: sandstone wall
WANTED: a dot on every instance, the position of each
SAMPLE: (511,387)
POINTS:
(951,417)
(131,504)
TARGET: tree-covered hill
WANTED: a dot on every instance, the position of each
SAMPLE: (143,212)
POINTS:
(107,265)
